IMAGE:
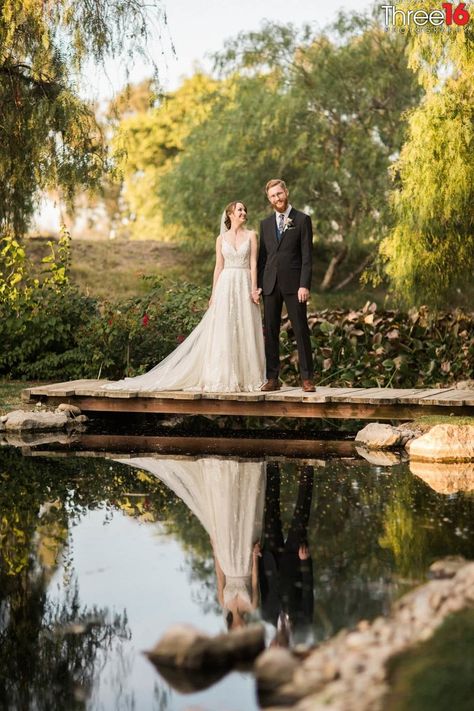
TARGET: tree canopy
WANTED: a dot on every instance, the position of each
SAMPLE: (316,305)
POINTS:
(429,255)
(321,110)
(49,136)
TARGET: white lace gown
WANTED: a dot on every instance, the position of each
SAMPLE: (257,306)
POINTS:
(228,498)
(225,352)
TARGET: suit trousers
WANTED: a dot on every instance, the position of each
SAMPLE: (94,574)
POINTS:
(272,306)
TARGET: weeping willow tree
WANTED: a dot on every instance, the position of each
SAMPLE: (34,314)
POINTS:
(49,137)
(429,255)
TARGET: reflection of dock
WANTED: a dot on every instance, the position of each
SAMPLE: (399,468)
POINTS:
(100,445)
(326,402)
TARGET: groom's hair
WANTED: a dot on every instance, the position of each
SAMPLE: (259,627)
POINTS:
(275,181)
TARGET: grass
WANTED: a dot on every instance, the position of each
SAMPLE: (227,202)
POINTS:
(433,420)
(438,675)
(10,395)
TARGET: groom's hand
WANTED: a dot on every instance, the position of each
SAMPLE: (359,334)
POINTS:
(256,296)
(303,295)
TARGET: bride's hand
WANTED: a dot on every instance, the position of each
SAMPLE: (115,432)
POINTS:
(255,296)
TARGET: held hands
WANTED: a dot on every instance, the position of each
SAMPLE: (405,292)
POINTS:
(255,296)
(303,295)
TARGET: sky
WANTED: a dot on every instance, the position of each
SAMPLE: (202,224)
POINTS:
(197,29)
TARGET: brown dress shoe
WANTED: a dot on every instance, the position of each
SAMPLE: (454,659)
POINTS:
(308,386)
(270,386)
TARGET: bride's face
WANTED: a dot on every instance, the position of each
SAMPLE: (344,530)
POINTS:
(239,216)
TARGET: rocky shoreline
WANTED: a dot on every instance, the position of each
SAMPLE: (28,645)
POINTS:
(348,671)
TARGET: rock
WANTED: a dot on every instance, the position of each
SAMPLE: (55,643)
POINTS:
(465,385)
(19,420)
(445,443)
(349,671)
(378,436)
(447,478)
(70,410)
(184,646)
(380,459)
(3,419)
(274,667)
(446,567)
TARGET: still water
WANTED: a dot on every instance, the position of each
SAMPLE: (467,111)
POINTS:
(100,554)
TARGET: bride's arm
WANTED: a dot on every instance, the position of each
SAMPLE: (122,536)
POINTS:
(253,261)
(219,266)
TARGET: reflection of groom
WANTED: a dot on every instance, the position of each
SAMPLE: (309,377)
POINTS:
(285,566)
(284,275)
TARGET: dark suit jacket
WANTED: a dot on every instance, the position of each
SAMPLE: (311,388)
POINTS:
(288,261)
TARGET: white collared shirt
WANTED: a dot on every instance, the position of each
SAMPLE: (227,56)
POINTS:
(286,213)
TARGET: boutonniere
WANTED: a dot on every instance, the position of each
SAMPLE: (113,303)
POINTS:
(288,224)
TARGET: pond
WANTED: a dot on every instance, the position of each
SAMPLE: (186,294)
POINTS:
(101,553)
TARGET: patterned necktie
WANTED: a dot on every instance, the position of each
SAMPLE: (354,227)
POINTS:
(281,222)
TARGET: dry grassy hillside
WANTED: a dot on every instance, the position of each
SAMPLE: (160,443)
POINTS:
(113,269)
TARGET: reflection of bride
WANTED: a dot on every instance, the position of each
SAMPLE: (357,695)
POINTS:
(227,496)
(225,352)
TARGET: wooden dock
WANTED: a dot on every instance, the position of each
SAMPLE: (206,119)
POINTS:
(326,402)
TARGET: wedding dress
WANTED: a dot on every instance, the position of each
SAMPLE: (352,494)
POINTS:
(228,497)
(225,352)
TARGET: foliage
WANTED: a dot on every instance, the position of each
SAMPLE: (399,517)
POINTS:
(429,255)
(147,140)
(49,137)
(129,338)
(367,348)
(324,110)
(437,674)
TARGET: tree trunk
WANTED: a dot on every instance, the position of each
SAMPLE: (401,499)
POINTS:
(356,271)
(331,270)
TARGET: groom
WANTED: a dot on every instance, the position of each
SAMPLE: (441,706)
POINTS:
(284,275)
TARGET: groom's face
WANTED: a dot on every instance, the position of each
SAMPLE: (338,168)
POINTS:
(278,198)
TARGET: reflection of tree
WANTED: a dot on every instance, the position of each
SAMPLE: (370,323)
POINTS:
(354,507)
(405,532)
(49,651)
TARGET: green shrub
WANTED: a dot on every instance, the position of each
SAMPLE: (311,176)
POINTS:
(370,348)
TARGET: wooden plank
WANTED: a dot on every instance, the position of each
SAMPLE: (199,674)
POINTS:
(349,394)
(66,388)
(419,394)
(376,396)
(241,397)
(171,394)
(338,410)
(325,394)
(448,398)
(285,394)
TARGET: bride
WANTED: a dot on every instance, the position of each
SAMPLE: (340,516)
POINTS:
(225,352)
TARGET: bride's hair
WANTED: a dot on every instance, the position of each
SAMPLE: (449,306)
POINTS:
(230,209)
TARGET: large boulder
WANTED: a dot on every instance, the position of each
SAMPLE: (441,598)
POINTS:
(66,417)
(445,443)
(378,436)
(184,646)
(19,420)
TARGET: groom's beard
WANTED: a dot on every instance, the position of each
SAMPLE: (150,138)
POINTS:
(281,205)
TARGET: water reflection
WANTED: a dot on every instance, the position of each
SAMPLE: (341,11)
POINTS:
(99,557)
(286,566)
(227,497)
